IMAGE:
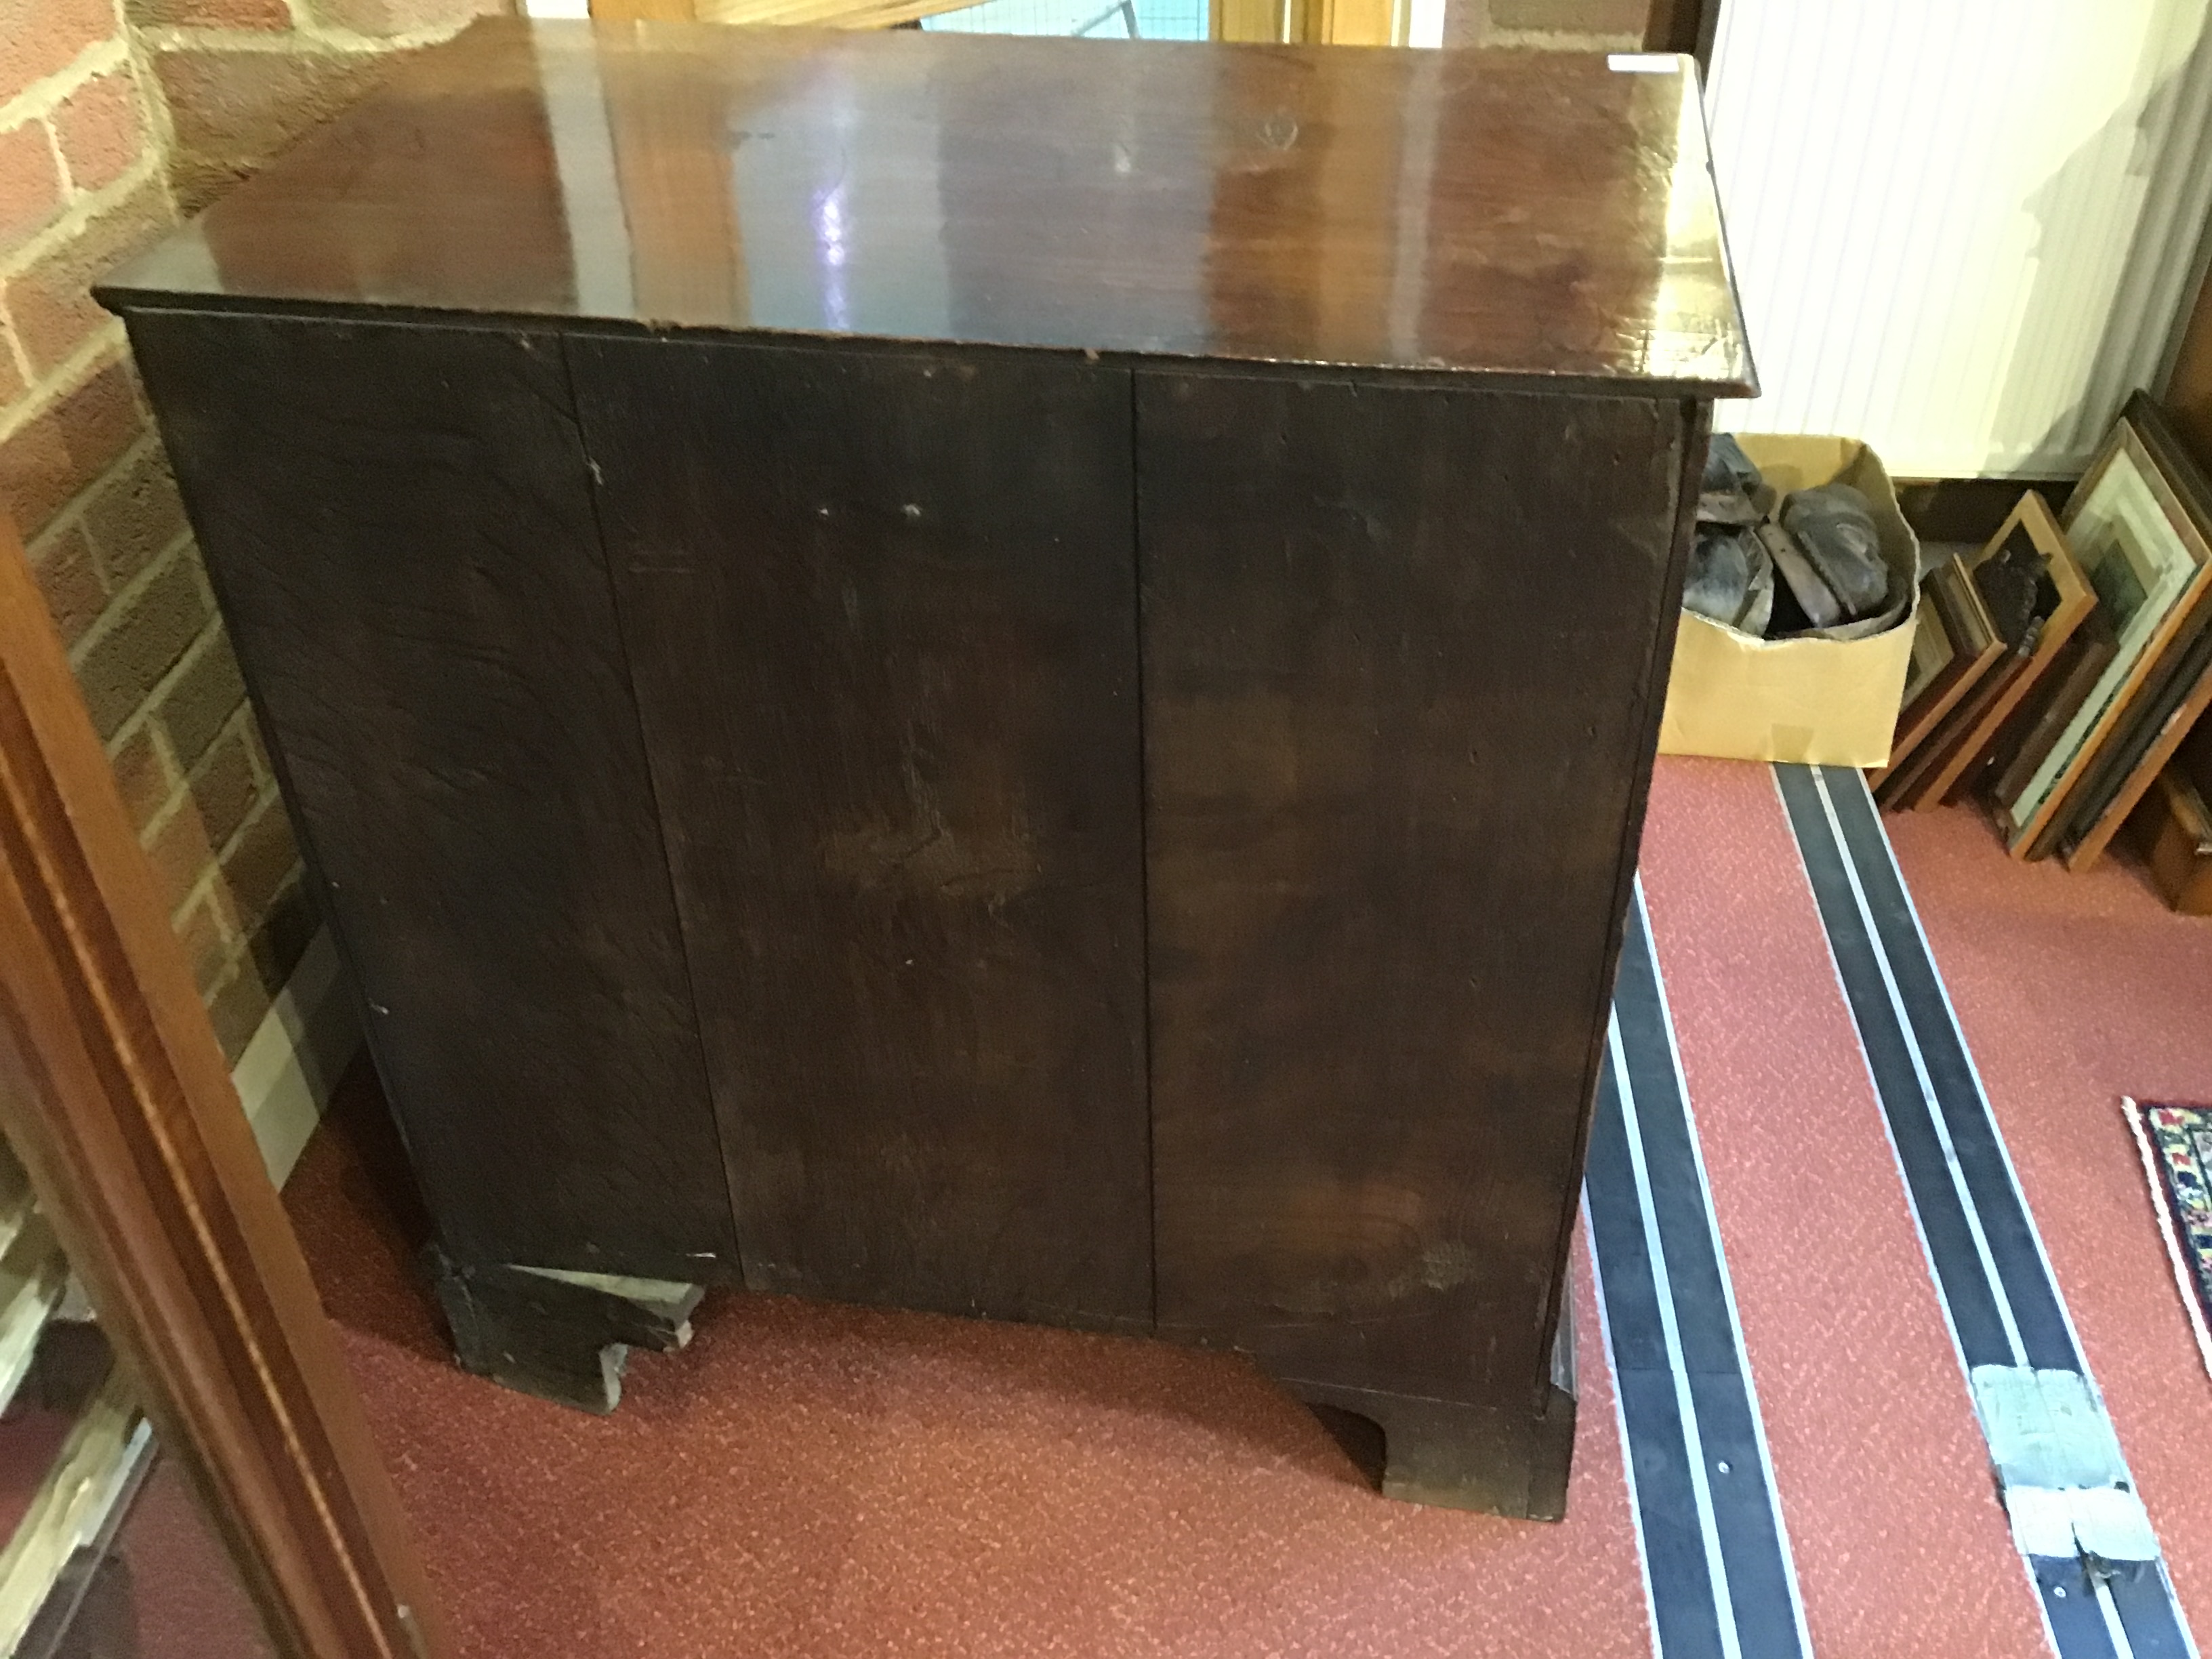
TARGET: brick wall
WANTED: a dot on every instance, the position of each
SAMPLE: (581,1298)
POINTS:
(239,79)
(115,115)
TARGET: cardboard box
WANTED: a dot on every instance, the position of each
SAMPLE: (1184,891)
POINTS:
(1832,700)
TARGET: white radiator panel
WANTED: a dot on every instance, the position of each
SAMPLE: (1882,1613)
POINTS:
(1963,229)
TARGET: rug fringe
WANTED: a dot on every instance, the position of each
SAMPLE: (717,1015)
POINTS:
(2161,1201)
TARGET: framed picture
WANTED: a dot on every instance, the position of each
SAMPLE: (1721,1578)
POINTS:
(2033,730)
(2028,540)
(1953,644)
(2147,564)
(2173,697)
(1933,653)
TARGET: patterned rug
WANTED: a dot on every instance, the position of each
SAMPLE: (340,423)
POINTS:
(2176,1142)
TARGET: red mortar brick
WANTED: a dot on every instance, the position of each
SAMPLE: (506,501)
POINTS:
(179,853)
(224,787)
(12,386)
(211,942)
(65,448)
(153,626)
(30,184)
(203,697)
(261,863)
(133,515)
(210,14)
(51,304)
(70,582)
(231,111)
(395,16)
(100,129)
(144,774)
(38,37)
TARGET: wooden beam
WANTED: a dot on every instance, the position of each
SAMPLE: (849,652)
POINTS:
(645,11)
(1683,26)
(813,13)
(1248,20)
(1361,22)
(115,1094)
(2188,393)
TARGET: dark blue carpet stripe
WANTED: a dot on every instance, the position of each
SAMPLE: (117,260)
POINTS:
(2145,1606)
(1761,1610)
(2070,1602)
(2095,1609)
(1965,1288)
(1684,1610)
(2049,1344)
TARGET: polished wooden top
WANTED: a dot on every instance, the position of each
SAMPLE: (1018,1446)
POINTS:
(1515,213)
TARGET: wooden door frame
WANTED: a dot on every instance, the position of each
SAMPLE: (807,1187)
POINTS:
(1313,23)
(1684,26)
(2189,383)
(115,1094)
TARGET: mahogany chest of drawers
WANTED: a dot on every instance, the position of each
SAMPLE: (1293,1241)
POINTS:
(1006,677)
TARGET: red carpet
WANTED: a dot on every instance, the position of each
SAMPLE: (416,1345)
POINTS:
(814,1481)
(187,1600)
(1901,1546)
(2073,991)
(808,1479)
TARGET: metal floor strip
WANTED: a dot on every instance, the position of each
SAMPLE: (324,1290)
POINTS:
(2083,1537)
(1716,1559)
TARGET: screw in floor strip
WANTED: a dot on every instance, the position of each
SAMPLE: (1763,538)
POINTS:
(1716,1555)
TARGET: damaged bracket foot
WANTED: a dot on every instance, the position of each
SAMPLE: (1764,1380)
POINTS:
(561,1335)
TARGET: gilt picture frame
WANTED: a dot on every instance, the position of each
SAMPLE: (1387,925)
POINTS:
(2147,563)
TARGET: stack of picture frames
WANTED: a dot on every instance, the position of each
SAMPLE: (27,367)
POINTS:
(1999,630)
(2060,671)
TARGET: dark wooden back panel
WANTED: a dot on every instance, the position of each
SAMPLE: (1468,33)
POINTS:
(398,524)
(1399,651)
(882,613)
